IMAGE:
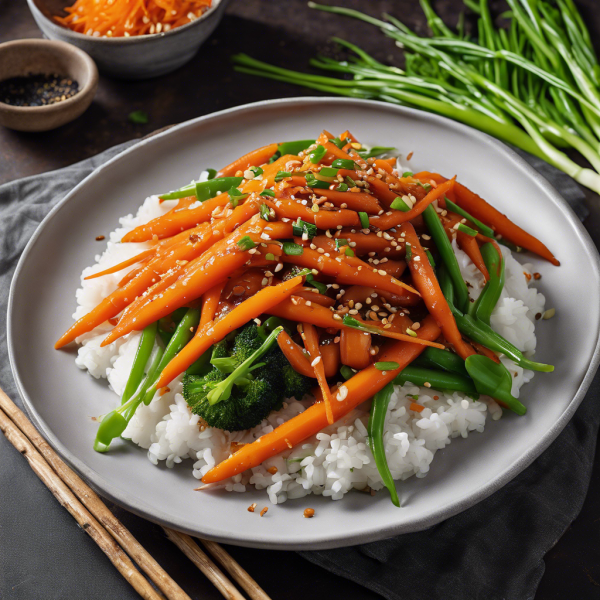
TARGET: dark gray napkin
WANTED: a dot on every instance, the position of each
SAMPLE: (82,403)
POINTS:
(493,551)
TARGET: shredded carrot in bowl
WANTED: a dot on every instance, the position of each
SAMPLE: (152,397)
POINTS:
(125,18)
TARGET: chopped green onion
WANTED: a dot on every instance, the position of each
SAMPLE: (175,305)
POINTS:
(270,256)
(347,372)
(414,397)
(425,186)
(407,174)
(387,365)
(235,196)
(339,143)
(487,231)
(316,284)
(408,251)
(462,227)
(344,163)
(282,175)
(316,156)
(294,147)
(349,252)
(328,172)
(351,183)
(364,220)
(313,182)
(256,170)
(246,243)
(301,227)
(430,257)
(399,204)
(212,173)
(139,117)
(265,212)
(342,187)
(411,332)
(270,193)
(292,249)
(355,324)
(339,242)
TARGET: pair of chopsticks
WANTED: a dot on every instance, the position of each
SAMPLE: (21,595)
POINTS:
(119,545)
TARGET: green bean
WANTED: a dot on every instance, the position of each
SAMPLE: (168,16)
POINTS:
(375,428)
(490,295)
(204,190)
(436,229)
(183,334)
(487,231)
(294,147)
(438,380)
(434,358)
(147,341)
(493,379)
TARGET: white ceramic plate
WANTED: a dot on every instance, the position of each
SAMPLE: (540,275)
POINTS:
(61,398)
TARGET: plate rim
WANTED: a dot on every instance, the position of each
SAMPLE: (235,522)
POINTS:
(129,502)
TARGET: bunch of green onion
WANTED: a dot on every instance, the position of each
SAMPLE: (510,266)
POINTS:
(535,84)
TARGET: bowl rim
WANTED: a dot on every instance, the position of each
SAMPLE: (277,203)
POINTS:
(65,48)
(121,39)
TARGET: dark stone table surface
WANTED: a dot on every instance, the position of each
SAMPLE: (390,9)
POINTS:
(286,32)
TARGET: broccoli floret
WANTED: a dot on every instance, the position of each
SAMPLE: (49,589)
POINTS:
(245,384)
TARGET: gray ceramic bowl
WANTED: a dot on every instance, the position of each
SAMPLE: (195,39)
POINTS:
(47,57)
(139,57)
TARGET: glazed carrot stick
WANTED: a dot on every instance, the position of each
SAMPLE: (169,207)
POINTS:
(312,295)
(252,159)
(349,270)
(427,283)
(210,302)
(311,342)
(470,247)
(295,355)
(197,277)
(361,387)
(331,358)
(477,207)
(123,265)
(485,351)
(213,332)
(175,222)
(296,309)
(364,243)
(396,217)
(180,220)
(382,191)
(361,293)
(359,201)
(354,348)
(324,219)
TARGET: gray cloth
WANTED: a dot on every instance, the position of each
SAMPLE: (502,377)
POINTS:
(493,550)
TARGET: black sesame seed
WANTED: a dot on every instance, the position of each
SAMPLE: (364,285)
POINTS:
(37,90)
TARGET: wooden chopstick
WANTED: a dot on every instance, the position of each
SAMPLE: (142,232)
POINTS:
(86,521)
(83,494)
(239,574)
(187,545)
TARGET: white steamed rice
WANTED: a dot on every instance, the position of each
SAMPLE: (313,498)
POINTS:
(337,459)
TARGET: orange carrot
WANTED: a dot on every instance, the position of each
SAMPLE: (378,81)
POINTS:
(330,351)
(311,342)
(252,159)
(213,332)
(210,302)
(360,293)
(364,243)
(197,277)
(427,283)
(396,217)
(348,270)
(416,407)
(477,207)
(354,348)
(470,247)
(324,219)
(295,355)
(361,387)
(359,201)
(124,264)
